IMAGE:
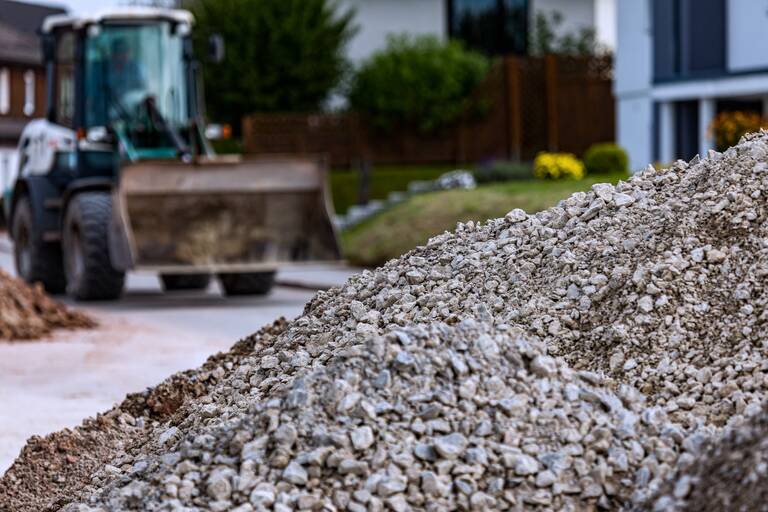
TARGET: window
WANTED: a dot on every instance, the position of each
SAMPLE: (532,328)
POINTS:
(495,27)
(29,92)
(5,91)
(65,79)
(688,38)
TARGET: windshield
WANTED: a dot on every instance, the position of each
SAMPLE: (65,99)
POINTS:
(127,65)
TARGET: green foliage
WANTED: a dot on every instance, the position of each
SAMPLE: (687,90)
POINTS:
(423,216)
(543,38)
(281,55)
(606,158)
(345,184)
(500,171)
(418,82)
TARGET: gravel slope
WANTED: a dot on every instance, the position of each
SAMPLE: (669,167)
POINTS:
(572,359)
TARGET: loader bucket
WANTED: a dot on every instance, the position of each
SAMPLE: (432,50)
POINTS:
(224,215)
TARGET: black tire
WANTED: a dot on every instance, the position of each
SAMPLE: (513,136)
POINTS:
(256,283)
(174,282)
(36,261)
(88,267)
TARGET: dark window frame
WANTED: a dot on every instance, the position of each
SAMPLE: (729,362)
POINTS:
(506,46)
(680,38)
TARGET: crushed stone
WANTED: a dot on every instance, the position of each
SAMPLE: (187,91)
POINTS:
(474,417)
(645,307)
(730,474)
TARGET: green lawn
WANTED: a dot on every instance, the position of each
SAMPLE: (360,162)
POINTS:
(411,223)
(384,179)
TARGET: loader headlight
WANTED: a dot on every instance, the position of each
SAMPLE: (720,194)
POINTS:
(97,134)
(218,132)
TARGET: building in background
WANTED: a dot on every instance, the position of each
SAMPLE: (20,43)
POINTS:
(22,77)
(681,62)
(494,26)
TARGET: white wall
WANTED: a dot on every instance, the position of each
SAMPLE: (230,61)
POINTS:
(605,22)
(378,18)
(634,127)
(634,56)
(577,14)
(747,28)
(632,87)
(8,167)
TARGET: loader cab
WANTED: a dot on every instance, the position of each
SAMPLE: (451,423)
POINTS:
(125,84)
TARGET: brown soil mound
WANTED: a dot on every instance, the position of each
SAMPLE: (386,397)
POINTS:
(26,312)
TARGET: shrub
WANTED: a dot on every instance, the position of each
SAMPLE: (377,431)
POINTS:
(418,82)
(281,55)
(501,170)
(606,158)
(728,127)
(555,166)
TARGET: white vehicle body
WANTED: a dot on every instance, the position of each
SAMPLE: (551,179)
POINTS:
(39,143)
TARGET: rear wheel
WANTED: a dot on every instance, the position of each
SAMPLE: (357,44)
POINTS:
(174,282)
(89,270)
(35,260)
(256,283)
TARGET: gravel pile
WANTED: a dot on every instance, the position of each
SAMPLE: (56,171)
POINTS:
(26,312)
(439,417)
(653,289)
(731,474)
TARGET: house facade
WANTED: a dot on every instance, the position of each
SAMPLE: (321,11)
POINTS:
(493,26)
(22,77)
(681,62)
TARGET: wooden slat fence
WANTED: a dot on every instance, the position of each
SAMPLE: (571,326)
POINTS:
(550,103)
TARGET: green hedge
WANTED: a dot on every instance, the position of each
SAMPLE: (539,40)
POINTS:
(606,158)
(500,171)
(417,82)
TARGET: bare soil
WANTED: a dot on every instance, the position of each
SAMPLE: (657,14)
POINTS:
(27,312)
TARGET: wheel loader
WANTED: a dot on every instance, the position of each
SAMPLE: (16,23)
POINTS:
(120,176)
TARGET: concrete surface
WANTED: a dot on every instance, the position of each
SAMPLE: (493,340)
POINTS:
(51,384)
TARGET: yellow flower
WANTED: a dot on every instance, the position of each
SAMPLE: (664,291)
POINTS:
(557,165)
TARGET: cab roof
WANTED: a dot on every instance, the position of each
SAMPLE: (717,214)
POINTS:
(129,14)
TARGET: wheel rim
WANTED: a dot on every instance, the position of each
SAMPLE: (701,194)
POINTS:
(23,252)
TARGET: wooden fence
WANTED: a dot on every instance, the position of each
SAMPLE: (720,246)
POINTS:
(550,103)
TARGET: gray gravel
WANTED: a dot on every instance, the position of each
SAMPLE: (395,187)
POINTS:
(567,360)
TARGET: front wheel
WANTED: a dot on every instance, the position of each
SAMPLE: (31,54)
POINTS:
(89,270)
(254,283)
(35,260)
(179,282)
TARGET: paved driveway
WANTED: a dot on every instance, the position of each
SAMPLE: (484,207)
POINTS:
(51,384)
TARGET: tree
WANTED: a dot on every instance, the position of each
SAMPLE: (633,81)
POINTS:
(418,82)
(281,55)
(543,38)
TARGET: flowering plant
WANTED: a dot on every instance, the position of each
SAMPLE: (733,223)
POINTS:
(728,127)
(555,166)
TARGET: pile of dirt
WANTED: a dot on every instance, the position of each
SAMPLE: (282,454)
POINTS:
(27,312)
(653,292)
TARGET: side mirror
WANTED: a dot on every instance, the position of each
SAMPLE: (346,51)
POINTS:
(216,48)
(49,48)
